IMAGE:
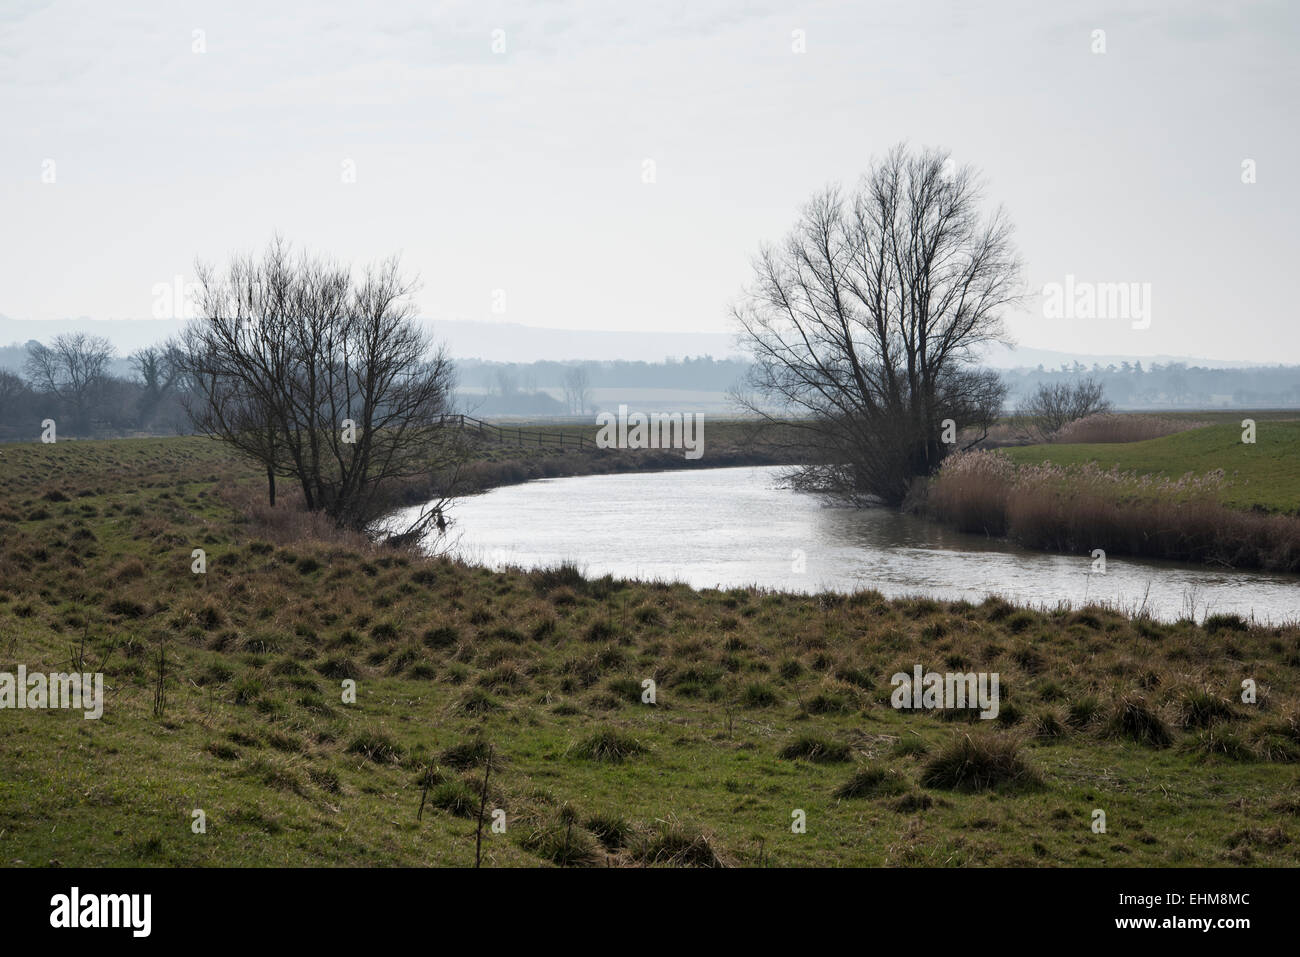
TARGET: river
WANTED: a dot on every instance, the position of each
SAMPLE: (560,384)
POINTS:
(720,528)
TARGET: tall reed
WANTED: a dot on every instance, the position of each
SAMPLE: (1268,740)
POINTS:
(1079,508)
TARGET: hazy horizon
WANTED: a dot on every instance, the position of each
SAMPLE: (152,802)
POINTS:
(505,153)
(510,342)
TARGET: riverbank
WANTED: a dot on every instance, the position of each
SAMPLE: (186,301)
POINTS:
(766,705)
(1200,496)
(530,452)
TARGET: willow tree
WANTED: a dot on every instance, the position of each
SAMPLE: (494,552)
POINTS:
(322,377)
(865,324)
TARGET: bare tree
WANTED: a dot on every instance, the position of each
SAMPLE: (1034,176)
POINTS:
(15,402)
(577,390)
(507,384)
(72,369)
(1054,405)
(321,378)
(160,370)
(12,388)
(865,324)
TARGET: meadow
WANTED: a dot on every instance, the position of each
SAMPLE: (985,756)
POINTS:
(1262,476)
(226,694)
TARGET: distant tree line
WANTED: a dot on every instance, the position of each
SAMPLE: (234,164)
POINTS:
(90,389)
(703,373)
(71,379)
(1133,385)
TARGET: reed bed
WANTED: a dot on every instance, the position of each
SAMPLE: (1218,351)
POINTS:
(1108,427)
(1083,507)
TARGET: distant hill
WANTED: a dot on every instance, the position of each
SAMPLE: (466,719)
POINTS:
(513,342)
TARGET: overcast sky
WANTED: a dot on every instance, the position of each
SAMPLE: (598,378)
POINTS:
(522,171)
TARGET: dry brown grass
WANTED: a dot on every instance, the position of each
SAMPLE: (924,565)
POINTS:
(288,521)
(1076,509)
(1108,427)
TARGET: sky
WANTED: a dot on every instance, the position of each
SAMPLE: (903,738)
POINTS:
(615,166)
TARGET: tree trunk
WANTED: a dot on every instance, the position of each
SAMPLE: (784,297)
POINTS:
(270,485)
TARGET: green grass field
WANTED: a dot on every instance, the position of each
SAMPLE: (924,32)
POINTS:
(1264,475)
(767,705)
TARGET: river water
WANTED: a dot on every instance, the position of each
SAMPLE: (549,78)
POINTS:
(738,526)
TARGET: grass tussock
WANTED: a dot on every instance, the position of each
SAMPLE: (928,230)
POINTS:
(980,762)
(872,782)
(672,844)
(816,749)
(610,746)
(1133,718)
(1201,708)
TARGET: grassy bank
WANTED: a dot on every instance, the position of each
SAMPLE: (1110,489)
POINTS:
(1264,476)
(726,443)
(767,704)
(1197,496)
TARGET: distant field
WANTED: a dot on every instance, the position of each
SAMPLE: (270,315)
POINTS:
(637,399)
(1265,475)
